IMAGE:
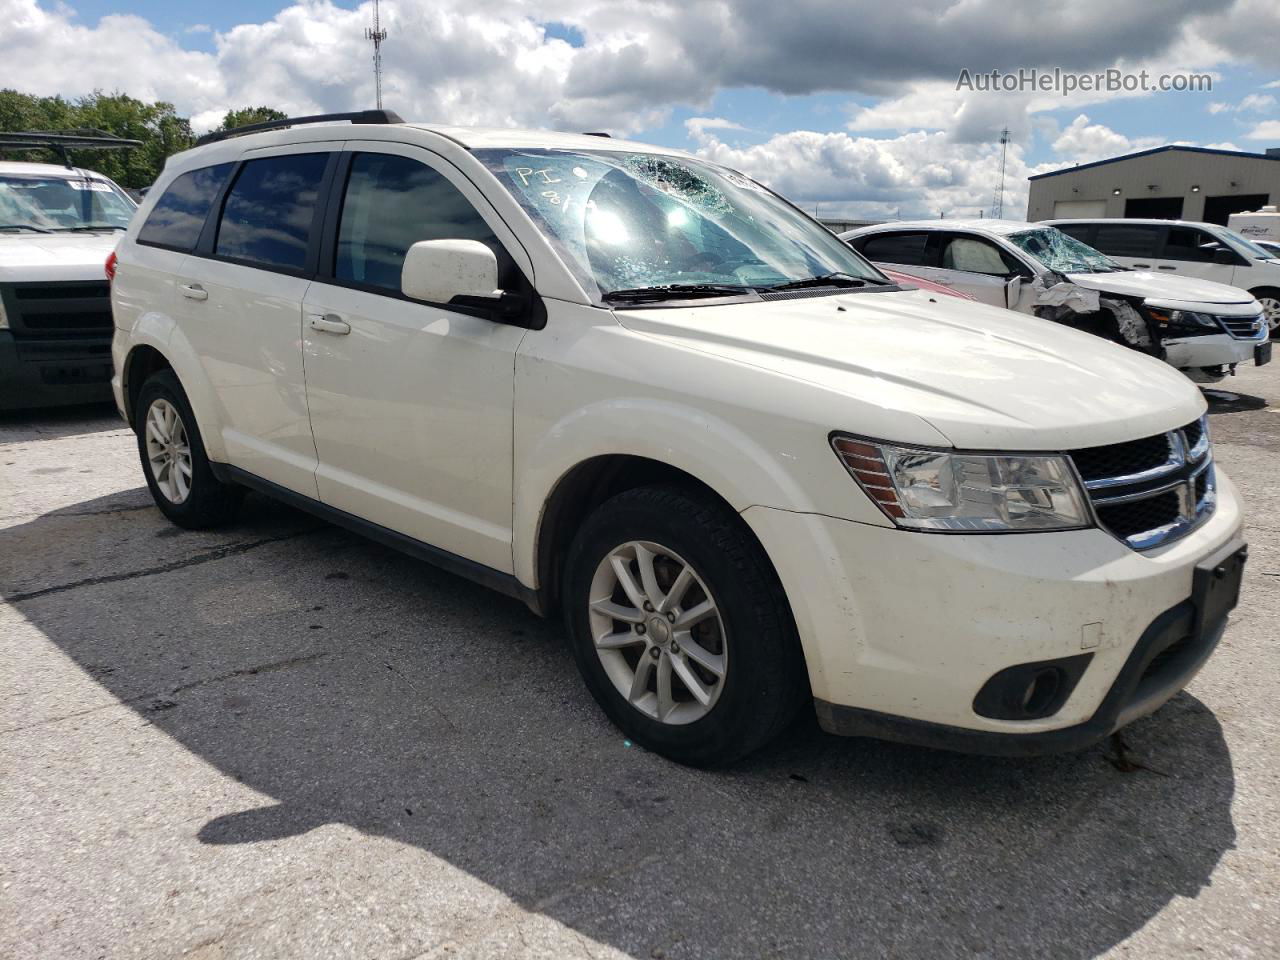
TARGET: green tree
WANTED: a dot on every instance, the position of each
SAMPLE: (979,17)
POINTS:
(162,132)
(247,115)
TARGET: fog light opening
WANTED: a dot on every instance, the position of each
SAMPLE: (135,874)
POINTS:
(1041,690)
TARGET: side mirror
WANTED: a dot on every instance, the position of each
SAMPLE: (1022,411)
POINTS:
(1224,256)
(439,270)
(1013,292)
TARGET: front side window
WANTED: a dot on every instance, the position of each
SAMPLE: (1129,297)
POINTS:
(1243,245)
(392,203)
(1063,253)
(626,221)
(1127,239)
(44,204)
(179,215)
(974,255)
(1188,243)
(268,215)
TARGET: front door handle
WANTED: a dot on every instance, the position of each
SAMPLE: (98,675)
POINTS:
(330,323)
(193,291)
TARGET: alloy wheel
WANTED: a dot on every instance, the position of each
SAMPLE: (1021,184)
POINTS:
(1271,310)
(658,632)
(168,451)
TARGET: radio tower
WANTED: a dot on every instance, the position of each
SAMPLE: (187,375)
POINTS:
(377,34)
(997,203)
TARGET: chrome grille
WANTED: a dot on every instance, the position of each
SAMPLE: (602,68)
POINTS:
(1150,491)
(1244,328)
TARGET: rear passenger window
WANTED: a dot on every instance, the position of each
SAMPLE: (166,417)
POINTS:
(179,215)
(1127,239)
(904,248)
(267,218)
(392,203)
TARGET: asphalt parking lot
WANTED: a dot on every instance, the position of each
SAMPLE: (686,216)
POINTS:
(281,740)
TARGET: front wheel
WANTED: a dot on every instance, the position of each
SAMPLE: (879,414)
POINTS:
(680,627)
(173,458)
(1270,300)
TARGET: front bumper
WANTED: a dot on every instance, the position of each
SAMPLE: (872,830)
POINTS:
(45,372)
(1211,351)
(902,630)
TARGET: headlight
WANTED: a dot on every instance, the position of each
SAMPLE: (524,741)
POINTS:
(1184,318)
(977,493)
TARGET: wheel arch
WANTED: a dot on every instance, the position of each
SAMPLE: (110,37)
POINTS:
(166,348)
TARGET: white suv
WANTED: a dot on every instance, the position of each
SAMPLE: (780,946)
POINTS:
(629,384)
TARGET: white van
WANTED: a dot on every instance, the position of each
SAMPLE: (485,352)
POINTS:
(1200,327)
(1187,249)
(58,225)
(639,388)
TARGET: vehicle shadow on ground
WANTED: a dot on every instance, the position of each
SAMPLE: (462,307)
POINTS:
(357,687)
(48,422)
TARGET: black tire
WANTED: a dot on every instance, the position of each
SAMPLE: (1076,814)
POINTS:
(208,502)
(764,681)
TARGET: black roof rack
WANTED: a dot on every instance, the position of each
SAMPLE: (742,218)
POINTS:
(597,133)
(60,143)
(360,116)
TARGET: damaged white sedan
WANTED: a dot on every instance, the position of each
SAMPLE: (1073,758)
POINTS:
(1203,328)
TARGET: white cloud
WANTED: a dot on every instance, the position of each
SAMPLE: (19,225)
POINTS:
(1267,130)
(697,126)
(1083,141)
(1252,103)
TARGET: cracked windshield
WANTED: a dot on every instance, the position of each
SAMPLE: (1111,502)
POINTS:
(61,204)
(1057,251)
(628,223)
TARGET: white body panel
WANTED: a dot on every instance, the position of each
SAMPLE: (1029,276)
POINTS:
(456,431)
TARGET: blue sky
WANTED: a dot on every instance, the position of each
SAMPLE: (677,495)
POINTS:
(839,102)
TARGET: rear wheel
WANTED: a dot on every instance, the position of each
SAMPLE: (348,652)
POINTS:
(680,627)
(173,458)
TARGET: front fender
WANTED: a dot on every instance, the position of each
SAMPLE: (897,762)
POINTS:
(745,469)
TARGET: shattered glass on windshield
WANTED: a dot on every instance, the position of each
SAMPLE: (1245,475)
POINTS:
(627,221)
(1062,253)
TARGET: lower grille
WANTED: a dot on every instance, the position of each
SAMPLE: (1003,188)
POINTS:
(71,308)
(1153,490)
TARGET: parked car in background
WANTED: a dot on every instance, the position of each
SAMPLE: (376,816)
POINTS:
(58,225)
(637,387)
(1200,327)
(1271,246)
(1187,249)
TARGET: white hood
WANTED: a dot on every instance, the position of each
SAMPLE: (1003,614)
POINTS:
(986,378)
(55,256)
(1162,289)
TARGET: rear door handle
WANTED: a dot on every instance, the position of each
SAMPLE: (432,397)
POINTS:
(193,291)
(330,323)
(1143,266)
(1166,268)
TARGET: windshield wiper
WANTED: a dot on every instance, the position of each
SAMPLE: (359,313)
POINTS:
(23,226)
(675,291)
(90,228)
(826,280)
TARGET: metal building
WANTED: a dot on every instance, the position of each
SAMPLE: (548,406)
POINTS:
(1170,183)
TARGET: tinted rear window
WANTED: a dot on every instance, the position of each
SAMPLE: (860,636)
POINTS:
(1127,239)
(904,248)
(268,216)
(179,215)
